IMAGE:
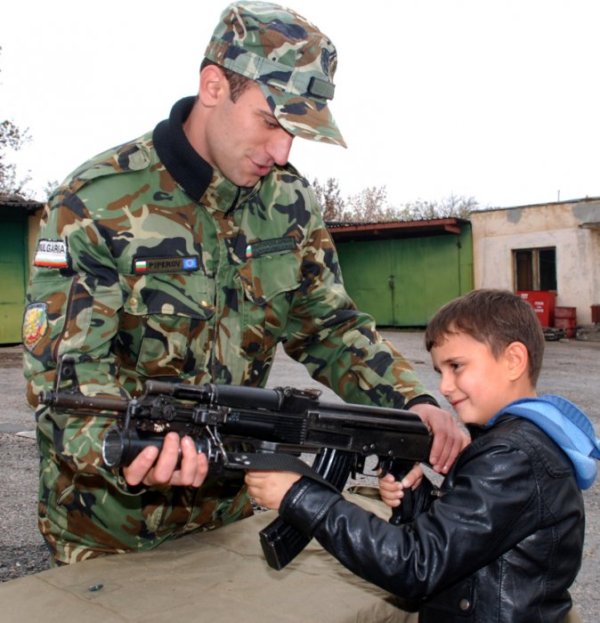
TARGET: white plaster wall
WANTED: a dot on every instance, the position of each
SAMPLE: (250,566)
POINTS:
(496,233)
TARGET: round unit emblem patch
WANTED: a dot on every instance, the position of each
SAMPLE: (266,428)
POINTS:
(35,324)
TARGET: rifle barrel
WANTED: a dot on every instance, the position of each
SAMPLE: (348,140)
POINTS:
(79,402)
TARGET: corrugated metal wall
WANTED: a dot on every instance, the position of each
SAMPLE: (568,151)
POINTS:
(13,272)
(401,282)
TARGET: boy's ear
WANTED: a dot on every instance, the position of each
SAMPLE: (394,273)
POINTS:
(517,359)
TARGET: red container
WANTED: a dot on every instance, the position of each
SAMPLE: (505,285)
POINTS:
(566,318)
(543,303)
(596,314)
(565,312)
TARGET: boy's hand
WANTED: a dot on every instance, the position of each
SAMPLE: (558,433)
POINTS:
(448,437)
(269,488)
(392,490)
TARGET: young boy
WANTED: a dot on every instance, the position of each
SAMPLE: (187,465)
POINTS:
(502,538)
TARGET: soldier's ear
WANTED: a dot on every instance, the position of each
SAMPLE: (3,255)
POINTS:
(213,85)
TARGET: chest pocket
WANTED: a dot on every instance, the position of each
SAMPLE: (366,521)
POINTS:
(163,314)
(266,281)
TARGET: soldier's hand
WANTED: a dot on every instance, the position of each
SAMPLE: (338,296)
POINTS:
(448,437)
(152,467)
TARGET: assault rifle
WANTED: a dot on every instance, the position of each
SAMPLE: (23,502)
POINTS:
(241,428)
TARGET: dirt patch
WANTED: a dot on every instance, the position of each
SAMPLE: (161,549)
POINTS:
(11,357)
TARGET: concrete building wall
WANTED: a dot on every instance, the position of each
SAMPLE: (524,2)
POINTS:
(572,228)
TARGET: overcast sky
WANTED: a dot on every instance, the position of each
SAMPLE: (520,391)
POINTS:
(492,99)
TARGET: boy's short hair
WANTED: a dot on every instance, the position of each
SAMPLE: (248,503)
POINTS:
(494,317)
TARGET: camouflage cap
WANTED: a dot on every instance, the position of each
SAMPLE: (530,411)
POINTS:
(292,61)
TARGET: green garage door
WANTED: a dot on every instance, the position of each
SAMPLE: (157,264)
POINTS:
(402,282)
(13,273)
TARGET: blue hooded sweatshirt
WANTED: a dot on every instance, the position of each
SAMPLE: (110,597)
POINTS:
(567,426)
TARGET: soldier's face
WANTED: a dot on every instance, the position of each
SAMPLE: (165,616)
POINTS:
(244,139)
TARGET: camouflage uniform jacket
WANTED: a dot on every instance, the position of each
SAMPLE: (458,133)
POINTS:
(151,264)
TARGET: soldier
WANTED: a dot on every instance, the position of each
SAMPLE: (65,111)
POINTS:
(187,255)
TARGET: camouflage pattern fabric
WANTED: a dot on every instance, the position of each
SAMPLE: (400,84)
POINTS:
(292,61)
(137,280)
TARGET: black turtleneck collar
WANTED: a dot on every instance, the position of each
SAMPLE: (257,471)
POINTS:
(182,161)
(195,176)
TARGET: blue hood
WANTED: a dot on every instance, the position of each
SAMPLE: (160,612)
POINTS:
(567,426)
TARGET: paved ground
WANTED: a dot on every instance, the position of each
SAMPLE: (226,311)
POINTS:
(571,368)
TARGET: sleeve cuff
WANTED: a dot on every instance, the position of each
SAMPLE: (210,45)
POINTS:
(306,504)
(422,399)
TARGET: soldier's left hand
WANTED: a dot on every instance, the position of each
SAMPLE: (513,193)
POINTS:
(448,436)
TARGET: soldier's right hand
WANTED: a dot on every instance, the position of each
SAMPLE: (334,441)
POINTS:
(152,467)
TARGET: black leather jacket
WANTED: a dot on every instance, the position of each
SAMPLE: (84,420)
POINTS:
(501,544)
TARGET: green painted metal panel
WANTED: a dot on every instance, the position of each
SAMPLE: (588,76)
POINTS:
(13,268)
(366,267)
(401,282)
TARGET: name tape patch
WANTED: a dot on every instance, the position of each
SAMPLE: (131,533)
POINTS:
(273,245)
(51,254)
(165,264)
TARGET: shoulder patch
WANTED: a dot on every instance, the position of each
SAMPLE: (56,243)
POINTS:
(51,254)
(35,324)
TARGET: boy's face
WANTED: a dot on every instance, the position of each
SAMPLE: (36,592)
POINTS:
(474,382)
